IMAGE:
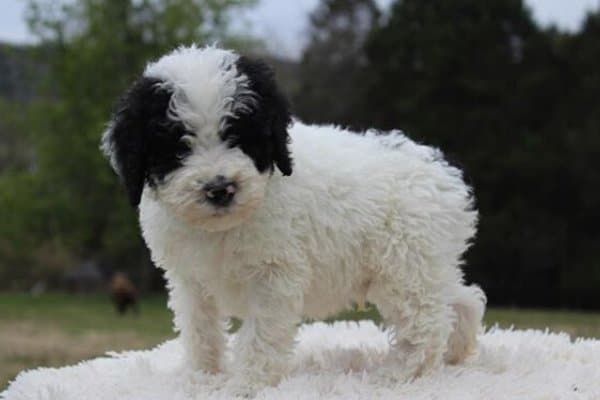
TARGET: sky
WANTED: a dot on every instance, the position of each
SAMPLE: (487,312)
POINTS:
(283,23)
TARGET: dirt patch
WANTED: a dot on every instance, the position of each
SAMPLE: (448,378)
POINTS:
(25,344)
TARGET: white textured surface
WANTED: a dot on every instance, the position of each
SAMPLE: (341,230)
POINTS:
(332,363)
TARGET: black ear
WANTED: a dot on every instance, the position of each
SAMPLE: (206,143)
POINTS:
(271,113)
(127,140)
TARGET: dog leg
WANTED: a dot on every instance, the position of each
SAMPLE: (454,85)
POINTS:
(197,320)
(421,322)
(265,341)
(468,303)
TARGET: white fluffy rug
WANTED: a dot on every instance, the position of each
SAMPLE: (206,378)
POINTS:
(330,362)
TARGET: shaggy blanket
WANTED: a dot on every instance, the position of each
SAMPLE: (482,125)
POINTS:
(331,363)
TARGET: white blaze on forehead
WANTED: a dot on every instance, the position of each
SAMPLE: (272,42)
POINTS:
(207,87)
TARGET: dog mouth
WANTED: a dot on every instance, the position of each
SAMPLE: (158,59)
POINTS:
(220,212)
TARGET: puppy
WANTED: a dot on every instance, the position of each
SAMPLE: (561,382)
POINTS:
(204,142)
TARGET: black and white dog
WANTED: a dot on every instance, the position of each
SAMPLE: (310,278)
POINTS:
(204,142)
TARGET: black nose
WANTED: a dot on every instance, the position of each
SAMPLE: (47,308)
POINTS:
(220,191)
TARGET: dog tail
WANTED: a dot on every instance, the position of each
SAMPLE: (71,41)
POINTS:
(469,305)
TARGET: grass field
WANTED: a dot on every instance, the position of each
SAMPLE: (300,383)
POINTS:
(60,329)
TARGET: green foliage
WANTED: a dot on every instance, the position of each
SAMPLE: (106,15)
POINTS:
(67,197)
(330,84)
(13,148)
(477,79)
(516,106)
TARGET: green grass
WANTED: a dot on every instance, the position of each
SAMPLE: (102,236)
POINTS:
(76,314)
(577,324)
(61,329)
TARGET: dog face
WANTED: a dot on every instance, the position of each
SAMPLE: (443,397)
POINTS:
(202,129)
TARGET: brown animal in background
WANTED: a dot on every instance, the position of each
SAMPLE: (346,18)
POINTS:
(124,293)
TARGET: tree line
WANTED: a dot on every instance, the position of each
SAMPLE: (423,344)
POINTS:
(515,105)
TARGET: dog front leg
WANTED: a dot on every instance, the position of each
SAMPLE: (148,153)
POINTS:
(265,341)
(197,319)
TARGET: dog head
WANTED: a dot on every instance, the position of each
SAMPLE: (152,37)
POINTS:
(202,130)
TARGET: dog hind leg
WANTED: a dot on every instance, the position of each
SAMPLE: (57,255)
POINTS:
(468,303)
(421,323)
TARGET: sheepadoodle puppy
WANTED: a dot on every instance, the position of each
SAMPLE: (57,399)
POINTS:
(256,215)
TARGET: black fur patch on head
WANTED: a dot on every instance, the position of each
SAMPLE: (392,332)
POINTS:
(261,132)
(146,143)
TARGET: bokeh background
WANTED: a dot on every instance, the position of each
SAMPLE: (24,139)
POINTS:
(508,89)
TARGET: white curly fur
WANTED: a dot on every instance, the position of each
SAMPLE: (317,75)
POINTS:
(370,217)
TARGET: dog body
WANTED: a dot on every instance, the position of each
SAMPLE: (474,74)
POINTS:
(364,217)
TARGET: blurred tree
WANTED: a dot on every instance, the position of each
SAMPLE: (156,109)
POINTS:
(329,84)
(484,83)
(16,91)
(518,105)
(14,153)
(436,57)
(68,203)
(578,119)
